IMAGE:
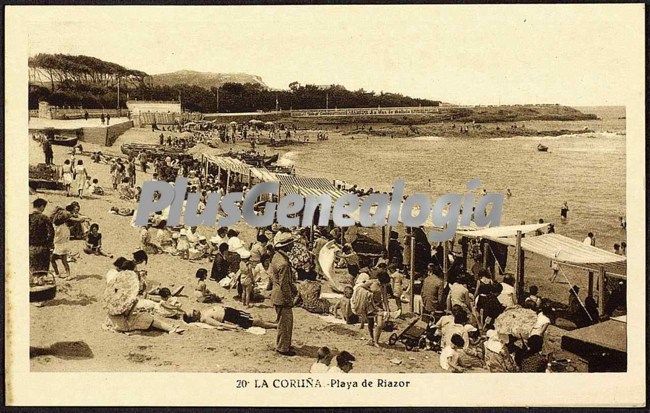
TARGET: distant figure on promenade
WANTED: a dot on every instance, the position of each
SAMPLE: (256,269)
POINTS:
(508,193)
(590,239)
(108,119)
(564,211)
(102,118)
(623,222)
(86,115)
(47,151)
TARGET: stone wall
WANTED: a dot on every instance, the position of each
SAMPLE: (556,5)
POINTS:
(105,135)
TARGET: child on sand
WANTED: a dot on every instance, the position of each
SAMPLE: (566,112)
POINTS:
(183,245)
(201,292)
(168,306)
(397,284)
(322,363)
(94,242)
(450,354)
(246,278)
(345,308)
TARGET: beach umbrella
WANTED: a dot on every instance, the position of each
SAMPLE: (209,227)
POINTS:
(121,293)
(516,321)
(233,123)
(255,121)
(269,123)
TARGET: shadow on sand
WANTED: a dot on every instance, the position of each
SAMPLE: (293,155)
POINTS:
(67,350)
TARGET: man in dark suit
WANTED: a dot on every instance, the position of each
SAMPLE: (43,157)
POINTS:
(284,292)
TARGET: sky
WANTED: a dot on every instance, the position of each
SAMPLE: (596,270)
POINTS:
(500,54)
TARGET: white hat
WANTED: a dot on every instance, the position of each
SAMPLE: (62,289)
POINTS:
(235,243)
(216,240)
(202,238)
(469,328)
(282,238)
(183,232)
(244,254)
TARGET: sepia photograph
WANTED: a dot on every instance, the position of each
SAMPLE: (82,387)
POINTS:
(395,191)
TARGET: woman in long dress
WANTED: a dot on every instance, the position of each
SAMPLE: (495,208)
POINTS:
(81,176)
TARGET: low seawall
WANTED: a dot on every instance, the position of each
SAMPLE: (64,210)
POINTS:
(105,135)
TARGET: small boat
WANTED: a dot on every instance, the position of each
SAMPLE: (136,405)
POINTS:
(64,140)
(542,148)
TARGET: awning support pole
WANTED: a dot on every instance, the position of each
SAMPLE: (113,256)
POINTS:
(590,288)
(601,291)
(486,248)
(445,262)
(412,268)
(519,282)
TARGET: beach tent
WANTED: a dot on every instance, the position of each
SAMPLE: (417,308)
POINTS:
(563,250)
(186,135)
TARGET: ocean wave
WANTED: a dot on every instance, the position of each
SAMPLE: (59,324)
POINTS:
(287,159)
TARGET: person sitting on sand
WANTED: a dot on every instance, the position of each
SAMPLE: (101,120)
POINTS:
(344,363)
(124,190)
(138,320)
(323,360)
(473,354)
(450,354)
(95,189)
(94,242)
(343,305)
(183,245)
(201,292)
(260,273)
(168,306)
(226,317)
(146,243)
(117,266)
(164,239)
(309,295)
(497,357)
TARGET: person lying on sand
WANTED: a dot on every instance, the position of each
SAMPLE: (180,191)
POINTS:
(226,317)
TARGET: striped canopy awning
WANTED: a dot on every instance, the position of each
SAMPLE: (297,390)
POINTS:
(229,164)
(263,174)
(569,251)
(293,184)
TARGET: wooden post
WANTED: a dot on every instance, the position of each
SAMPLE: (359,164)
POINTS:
(518,279)
(445,262)
(412,267)
(486,250)
(228,181)
(601,291)
(388,237)
(383,236)
(590,288)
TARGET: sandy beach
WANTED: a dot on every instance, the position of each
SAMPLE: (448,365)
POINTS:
(76,314)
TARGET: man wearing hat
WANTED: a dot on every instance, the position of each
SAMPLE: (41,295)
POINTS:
(432,291)
(284,291)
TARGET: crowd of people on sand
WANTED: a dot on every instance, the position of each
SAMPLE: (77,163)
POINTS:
(281,266)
